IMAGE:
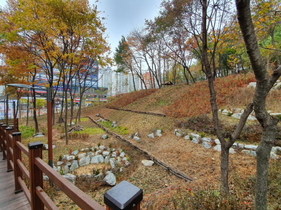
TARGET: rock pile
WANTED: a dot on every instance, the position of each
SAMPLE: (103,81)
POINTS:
(117,159)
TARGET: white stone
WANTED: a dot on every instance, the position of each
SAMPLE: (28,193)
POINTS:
(273,156)
(84,161)
(74,165)
(151,135)
(217,141)
(186,137)
(195,140)
(251,147)
(252,85)
(217,148)
(70,177)
(136,138)
(75,152)
(158,133)
(206,145)
(249,152)
(101,147)
(112,162)
(59,163)
(231,151)
(105,153)
(110,179)
(147,162)
(82,155)
(206,139)
(122,154)
(195,135)
(276,149)
(238,146)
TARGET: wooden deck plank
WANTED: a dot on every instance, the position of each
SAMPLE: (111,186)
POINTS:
(8,199)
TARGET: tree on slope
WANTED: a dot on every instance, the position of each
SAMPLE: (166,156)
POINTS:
(264,83)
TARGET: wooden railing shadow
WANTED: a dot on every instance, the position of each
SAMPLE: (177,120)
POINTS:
(122,196)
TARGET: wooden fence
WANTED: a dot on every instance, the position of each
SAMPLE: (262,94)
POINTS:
(12,148)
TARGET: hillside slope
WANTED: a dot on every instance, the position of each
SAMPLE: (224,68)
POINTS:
(182,103)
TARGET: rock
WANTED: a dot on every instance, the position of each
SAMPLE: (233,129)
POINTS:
(95,160)
(110,179)
(217,147)
(193,135)
(82,155)
(114,124)
(75,152)
(122,154)
(187,137)
(249,152)
(217,141)
(147,162)
(65,169)
(252,85)
(84,161)
(158,133)
(178,133)
(232,151)
(206,145)
(276,150)
(105,153)
(45,178)
(112,162)
(151,135)
(68,157)
(273,156)
(251,147)
(101,147)
(106,159)
(105,136)
(74,165)
(59,163)
(136,138)
(70,177)
(91,154)
(206,139)
(195,140)
(238,146)
(46,147)
(236,115)
(38,135)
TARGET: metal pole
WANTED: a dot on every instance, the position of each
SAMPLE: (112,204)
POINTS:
(49,119)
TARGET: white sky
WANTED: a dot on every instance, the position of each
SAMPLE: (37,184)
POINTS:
(123,16)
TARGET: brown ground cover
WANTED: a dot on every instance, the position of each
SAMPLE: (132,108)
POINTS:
(179,103)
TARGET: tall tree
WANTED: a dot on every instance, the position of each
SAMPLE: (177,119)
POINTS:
(264,83)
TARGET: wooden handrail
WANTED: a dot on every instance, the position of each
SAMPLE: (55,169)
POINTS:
(10,144)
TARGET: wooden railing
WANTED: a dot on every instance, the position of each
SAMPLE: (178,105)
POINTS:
(12,148)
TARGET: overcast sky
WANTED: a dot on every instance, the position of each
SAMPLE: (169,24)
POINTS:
(123,16)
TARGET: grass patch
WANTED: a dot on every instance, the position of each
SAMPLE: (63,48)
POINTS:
(26,131)
(122,130)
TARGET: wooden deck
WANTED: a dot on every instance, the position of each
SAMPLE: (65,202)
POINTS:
(8,199)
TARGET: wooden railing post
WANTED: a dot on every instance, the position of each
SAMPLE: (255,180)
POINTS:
(123,196)
(16,157)
(1,138)
(9,131)
(36,175)
(3,131)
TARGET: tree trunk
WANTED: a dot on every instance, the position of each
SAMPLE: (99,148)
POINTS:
(263,155)
(264,84)
(224,168)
